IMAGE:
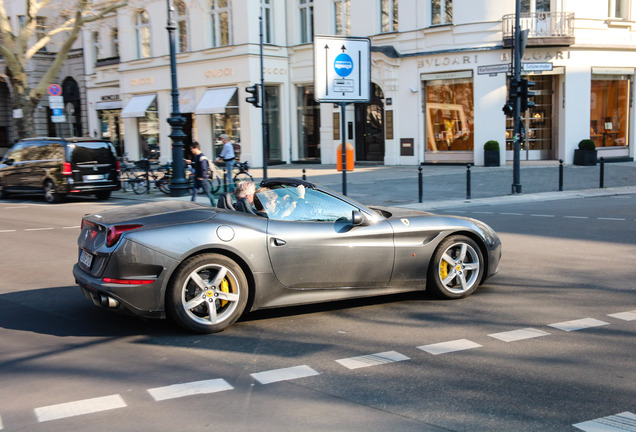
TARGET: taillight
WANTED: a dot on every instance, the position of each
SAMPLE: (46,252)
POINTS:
(115,232)
(66,169)
(118,167)
(129,281)
(90,227)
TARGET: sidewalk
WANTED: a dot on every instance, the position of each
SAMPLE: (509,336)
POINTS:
(445,186)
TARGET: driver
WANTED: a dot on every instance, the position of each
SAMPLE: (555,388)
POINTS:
(279,206)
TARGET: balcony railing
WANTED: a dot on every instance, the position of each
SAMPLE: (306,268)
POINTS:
(544,28)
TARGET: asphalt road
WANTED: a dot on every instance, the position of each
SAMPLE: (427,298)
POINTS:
(546,344)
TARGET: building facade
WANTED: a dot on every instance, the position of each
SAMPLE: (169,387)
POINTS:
(438,78)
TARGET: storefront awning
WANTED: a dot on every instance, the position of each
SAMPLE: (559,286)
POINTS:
(138,106)
(108,105)
(215,100)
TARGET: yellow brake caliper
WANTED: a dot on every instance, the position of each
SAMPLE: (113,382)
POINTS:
(443,269)
(225,287)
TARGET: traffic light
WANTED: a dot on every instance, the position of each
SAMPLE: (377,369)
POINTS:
(514,91)
(526,94)
(254,91)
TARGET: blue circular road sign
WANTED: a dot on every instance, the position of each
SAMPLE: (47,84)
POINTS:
(343,65)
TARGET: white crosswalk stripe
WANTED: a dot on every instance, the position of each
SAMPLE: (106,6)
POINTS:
(625,316)
(188,389)
(284,374)
(450,346)
(372,359)
(579,324)
(81,407)
(623,422)
(516,335)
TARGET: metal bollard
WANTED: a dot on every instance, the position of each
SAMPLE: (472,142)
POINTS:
(560,175)
(468,181)
(304,176)
(225,182)
(602,180)
(420,186)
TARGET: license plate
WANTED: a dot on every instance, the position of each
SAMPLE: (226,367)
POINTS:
(94,177)
(86,258)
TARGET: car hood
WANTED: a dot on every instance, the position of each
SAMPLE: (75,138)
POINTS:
(155,213)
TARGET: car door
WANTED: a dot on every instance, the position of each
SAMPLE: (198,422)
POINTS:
(12,171)
(321,248)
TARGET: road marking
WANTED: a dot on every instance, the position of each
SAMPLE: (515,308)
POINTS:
(625,316)
(372,359)
(611,219)
(72,227)
(512,214)
(16,207)
(515,335)
(579,324)
(542,215)
(622,422)
(188,389)
(72,409)
(576,217)
(6,231)
(284,374)
(451,346)
(38,229)
(483,212)
(1,427)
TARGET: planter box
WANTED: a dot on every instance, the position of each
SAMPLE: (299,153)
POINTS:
(585,157)
(491,158)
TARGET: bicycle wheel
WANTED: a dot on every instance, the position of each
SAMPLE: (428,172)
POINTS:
(164,184)
(140,185)
(243,176)
(126,178)
(215,184)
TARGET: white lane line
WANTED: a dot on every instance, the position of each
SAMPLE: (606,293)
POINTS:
(542,215)
(515,335)
(625,316)
(483,212)
(512,214)
(1,427)
(188,389)
(611,219)
(372,359)
(81,407)
(450,346)
(579,324)
(72,227)
(622,422)
(38,229)
(6,231)
(576,217)
(15,207)
(284,374)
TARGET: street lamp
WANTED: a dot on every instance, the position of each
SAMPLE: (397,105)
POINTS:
(178,184)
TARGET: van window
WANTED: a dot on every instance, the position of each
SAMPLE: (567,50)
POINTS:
(33,151)
(92,152)
(15,154)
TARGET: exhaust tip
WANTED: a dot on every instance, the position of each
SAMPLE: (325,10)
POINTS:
(108,302)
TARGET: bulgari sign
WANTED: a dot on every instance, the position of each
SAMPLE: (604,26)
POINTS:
(473,59)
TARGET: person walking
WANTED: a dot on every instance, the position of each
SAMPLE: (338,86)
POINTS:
(227,156)
(201,166)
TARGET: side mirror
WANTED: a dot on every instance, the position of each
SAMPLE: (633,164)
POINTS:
(358,219)
(8,161)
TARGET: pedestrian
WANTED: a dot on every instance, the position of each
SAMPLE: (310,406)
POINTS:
(227,156)
(201,166)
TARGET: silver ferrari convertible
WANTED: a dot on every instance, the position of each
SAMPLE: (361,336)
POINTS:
(301,243)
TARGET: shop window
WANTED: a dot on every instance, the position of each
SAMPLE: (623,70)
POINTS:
(114,40)
(308,124)
(220,22)
(450,115)
(228,122)
(272,118)
(389,14)
(441,12)
(266,13)
(618,9)
(306,8)
(609,109)
(149,133)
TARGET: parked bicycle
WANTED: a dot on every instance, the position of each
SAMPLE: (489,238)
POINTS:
(240,172)
(151,178)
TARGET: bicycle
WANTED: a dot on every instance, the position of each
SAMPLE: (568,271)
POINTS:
(157,177)
(128,171)
(241,172)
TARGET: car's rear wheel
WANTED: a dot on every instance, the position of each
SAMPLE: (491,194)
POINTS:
(50,193)
(102,195)
(208,293)
(456,269)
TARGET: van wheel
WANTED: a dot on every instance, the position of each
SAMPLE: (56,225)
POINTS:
(3,191)
(102,195)
(50,193)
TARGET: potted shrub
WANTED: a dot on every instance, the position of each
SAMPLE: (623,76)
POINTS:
(586,153)
(491,153)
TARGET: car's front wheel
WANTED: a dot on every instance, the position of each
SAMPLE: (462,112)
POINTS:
(457,268)
(3,191)
(208,293)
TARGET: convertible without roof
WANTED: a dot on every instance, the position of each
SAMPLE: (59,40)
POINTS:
(203,266)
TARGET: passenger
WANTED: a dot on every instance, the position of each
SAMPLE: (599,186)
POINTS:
(244,194)
(276,207)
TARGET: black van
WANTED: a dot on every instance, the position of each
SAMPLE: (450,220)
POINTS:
(60,166)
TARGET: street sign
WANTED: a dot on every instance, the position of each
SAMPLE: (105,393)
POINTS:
(493,69)
(536,67)
(342,69)
(56,102)
(54,90)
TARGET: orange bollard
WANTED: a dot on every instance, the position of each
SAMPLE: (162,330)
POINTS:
(349,157)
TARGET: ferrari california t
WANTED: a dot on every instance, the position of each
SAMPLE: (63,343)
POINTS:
(204,267)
